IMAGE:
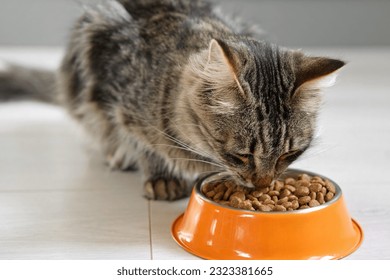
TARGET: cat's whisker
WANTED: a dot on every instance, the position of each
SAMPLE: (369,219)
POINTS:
(199,160)
(173,139)
(189,140)
(182,144)
(180,148)
(186,147)
(204,173)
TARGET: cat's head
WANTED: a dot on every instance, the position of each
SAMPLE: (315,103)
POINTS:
(254,105)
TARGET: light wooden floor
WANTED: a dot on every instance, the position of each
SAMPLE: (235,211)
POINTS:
(59,201)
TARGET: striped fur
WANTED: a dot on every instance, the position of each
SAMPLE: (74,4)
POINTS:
(177,90)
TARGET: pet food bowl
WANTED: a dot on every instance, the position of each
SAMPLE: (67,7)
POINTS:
(213,231)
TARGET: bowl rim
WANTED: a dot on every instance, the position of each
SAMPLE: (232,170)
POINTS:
(199,184)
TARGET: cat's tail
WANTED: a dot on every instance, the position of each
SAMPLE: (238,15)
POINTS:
(19,83)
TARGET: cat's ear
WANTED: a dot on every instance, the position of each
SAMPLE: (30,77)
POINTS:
(315,73)
(211,77)
(312,74)
(223,63)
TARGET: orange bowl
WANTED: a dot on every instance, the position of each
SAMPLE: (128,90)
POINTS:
(213,231)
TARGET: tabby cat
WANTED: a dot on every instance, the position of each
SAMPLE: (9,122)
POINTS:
(175,89)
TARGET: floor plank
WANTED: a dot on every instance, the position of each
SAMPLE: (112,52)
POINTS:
(163,214)
(59,201)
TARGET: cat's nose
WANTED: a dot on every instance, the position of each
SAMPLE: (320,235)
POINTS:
(263,181)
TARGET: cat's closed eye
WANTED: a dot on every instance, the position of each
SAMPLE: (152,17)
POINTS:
(288,157)
(244,155)
(238,158)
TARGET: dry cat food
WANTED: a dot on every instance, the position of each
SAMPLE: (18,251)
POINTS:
(289,194)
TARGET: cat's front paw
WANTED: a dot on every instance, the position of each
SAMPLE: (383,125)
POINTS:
(165,189)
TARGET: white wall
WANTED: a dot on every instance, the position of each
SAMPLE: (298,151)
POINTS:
(288,22)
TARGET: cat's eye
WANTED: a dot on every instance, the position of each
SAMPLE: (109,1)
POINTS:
(290,156)
(287,158)
(238,158)
(243,155)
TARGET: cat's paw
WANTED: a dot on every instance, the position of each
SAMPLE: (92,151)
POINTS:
(165,189)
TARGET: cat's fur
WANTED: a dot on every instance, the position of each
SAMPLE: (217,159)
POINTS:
(174,89)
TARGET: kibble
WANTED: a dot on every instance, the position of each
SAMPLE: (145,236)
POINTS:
(328,196)
(315,187)
(320,198)
(313,203)
(304,200)
(301,192)
(279,208)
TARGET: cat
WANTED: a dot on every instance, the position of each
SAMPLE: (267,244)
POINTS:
(175,89)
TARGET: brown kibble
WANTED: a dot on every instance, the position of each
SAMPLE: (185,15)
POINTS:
(290,188)
(224,202)
(330,187)
(285,193)
(208,187)
(304,177)
(218,196)
(314,203)
(227,194)
(256,204)
(289,181)
(264,197)
(246,204)
(295,204)
(251,197)
(240,188)
(329,196)
(282,200)
(210,194)
(302,191)
(230,184)
(257,194)
(301,183)
(279,208)
(235,201)
(264,190)
(269,201)
(220,188)
(315,187)
(304,200)
(265,208)
(272,193)
(321,198)
(239,194)
(288,195)
(317,179)
(278,185)
(287,204)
